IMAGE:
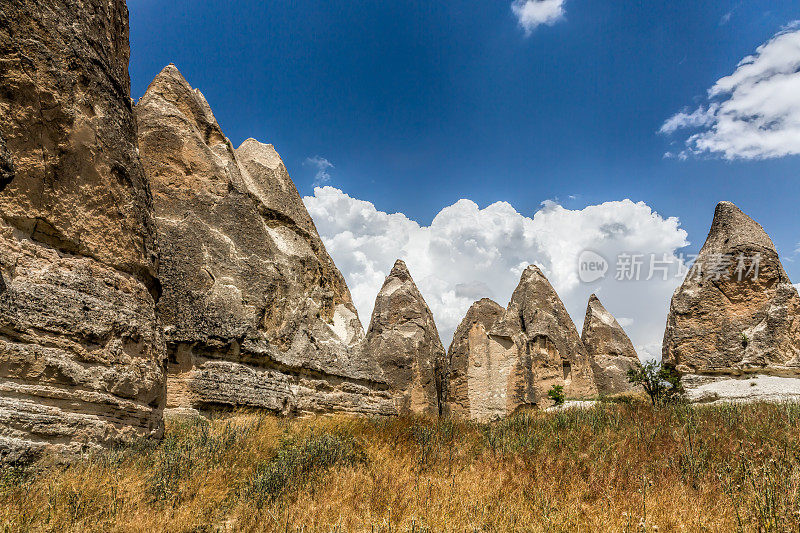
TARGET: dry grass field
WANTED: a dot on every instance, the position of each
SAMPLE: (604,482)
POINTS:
(614,467)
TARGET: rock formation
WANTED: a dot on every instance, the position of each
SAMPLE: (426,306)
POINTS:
(537,329)
(610,350)
(80,353)
(403,339)
(505,360)
(255,313)
(477,385)
(736,312)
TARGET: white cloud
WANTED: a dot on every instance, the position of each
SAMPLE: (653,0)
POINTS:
(468,253)
(755,112)
(533,13)
(322,165)
(725,18)
(696,119)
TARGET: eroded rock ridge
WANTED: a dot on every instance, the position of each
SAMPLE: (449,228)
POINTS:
(254,310)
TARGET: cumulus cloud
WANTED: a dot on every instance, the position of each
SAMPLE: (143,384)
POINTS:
(467,253)
(755,112)
(322,165)
(533,13)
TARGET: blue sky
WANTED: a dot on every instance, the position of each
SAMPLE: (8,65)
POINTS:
(419,104)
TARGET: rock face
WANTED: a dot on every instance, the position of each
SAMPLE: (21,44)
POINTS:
(609,348)
(736,312)
(506,360)
(477,377)
(80,353)
(254,311)
(403,339)
(548,350)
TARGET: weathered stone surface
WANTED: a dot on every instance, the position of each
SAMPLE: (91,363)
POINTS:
(726,320)
(80,354)
(254,310)
(505,360)
(609,348)
(477,377)
(537,334)
(403,339)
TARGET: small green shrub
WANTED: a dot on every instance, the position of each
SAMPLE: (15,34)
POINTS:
(192,446)
(12,477)
(660,381)
(174,461)
(425,439)
(556,393)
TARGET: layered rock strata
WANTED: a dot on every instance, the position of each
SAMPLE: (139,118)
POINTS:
(403,339)
(255,313)
(609,348)
(81,355)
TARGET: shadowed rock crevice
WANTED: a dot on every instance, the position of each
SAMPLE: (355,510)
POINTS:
(6,165)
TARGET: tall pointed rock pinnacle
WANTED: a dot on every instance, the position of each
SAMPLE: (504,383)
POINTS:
(736,312)
(506,360)
(609,348)
(541,336)
(254,310)
(402,337)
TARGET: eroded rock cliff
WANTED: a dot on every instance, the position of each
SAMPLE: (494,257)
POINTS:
(609,348)
(255,313)
(81,355)
(403,339)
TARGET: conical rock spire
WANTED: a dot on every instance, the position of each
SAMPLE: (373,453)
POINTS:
(736,312)
(403,339)
(477,379)
(609,348)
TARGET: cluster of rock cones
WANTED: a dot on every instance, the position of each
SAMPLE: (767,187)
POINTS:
(147,264)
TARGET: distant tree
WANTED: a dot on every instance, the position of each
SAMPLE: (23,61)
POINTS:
(659,380)
(556,393)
